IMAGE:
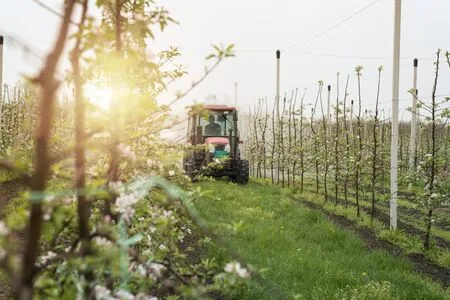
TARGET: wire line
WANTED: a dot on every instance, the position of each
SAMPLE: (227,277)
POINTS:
(332,27)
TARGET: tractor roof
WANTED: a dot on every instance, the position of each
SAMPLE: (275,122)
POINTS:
(219,108)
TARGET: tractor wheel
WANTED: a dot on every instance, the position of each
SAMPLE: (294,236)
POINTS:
(244,172)
(242,177)
(190,167)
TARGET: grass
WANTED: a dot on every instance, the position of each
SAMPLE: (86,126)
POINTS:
(365,202)
(299,252)
(409,243)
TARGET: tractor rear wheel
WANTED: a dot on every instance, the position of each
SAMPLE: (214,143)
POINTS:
(244,171)
(242,176)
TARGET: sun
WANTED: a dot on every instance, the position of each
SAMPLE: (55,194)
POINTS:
(98,95)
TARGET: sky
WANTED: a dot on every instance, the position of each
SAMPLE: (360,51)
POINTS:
(258,28)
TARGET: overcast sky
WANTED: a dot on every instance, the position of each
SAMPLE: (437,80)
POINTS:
(260,27)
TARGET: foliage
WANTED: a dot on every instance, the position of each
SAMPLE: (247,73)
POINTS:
(125,230)
(348,146)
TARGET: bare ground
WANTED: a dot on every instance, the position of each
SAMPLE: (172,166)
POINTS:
(9,190)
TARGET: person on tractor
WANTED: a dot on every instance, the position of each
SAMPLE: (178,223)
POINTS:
(212,129)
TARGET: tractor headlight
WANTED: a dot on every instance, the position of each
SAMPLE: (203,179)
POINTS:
(211,148)
(227,148)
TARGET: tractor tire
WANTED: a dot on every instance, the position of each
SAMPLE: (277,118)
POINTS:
(190,168)
(242,177)
(244,171)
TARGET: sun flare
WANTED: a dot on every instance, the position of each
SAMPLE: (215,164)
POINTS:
(98,95)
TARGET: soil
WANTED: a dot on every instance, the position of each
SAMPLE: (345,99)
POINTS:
(407,228)
(441,215)
(9,190)
(420,262)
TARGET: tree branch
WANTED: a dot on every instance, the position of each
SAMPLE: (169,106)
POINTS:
(49,84)
(195,83)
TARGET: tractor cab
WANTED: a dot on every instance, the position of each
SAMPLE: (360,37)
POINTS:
(215,127)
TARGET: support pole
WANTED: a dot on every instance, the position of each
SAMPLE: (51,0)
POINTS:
(351,118)
(329,109)
(412,145)
(1,87)
(1,70)
(277,96)
(395,96)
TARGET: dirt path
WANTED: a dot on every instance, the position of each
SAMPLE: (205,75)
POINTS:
(420,263)
(8,190)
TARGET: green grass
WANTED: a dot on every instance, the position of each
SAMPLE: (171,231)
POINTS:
(298,251)
(365,202)
(408,243)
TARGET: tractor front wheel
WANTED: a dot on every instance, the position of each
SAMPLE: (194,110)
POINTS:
(191,169)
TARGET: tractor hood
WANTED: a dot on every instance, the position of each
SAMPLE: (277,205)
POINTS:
(217,140)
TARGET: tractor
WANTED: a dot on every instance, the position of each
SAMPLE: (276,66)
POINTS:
(213,139)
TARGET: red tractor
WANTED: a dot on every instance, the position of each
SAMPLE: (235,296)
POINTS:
(214,136)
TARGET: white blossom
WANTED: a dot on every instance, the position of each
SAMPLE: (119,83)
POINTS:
(47,215)
(156,269)
(124,295)
(124,205)
(116,187)
(3,229)
(126,151)
(235,267)
(150,162)
(171,173)
(45,258)
(101,241)
(141,270)
(49,198)
(186,229)
(2,253)
(102,293)
(70,200)
(128,213)
(142,296)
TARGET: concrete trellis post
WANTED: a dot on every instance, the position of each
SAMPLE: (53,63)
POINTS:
(1,83)
(329,109)
(277,96)
(395,96)
(412,145)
